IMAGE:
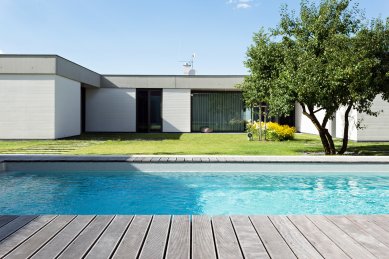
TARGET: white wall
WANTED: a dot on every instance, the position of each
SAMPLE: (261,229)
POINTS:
(110,110)
(305,125)
(27,106)
(176,110)
(376,128)
(352,132)
(67,107)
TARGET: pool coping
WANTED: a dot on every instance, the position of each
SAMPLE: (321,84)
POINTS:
(193,159)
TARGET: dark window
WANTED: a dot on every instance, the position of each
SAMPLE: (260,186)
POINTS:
(83,109)
(149,110)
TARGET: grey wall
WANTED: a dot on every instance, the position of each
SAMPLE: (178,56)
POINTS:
(176,110)
(76,72)
(47,65)
(182,82)
(67,107)
(27,106)
(110,110)
(15,64)
(376,128)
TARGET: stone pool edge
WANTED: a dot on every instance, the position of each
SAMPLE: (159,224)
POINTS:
(192,159)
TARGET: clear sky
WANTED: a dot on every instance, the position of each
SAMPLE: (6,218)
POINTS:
(144,36)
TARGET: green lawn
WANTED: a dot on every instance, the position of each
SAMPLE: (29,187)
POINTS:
(180,144)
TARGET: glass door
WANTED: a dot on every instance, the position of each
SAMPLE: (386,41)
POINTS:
(149,110)
(155,115)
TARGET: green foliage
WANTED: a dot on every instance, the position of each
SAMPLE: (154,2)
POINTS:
(327,57)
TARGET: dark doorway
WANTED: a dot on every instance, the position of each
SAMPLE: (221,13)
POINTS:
(82,109)
(149,110)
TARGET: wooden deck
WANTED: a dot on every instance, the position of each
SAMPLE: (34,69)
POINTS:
(65,236)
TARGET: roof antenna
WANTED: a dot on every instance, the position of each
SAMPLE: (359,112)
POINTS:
(189,66)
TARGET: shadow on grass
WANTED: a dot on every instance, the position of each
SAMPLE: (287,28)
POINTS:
(370,149)
(126,136)
(352,150)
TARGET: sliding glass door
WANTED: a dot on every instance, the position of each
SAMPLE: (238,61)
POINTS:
(220,111)
(149,110)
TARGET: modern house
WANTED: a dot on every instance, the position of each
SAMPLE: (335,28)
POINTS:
(49,97)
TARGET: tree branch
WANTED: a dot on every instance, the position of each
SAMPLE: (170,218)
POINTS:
(318,110)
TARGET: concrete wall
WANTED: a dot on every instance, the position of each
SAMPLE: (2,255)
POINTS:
(71,70)
(110,110)
(376,128)
(47,65)
(27,106)
(17,64)
(182,82)
(67,107)
(176,110)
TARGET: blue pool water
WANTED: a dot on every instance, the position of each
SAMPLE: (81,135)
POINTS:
(191,193)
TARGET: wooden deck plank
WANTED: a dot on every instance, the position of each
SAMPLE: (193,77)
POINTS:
(370,227)
(381,220)
(156,239)
(40,238)
(227,245)
(339,237)
(4,220)
(13,241)
(83,242)
(372,244)
(203,245)
(179,238)
(133,239)
(202,237)
(56,245)
(273,241)
(250,243)
(326,247)
(108,241)
(14,225)
(293,237)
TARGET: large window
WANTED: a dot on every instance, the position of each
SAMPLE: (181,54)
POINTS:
(220,111)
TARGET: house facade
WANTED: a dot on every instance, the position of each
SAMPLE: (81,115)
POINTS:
(49,97)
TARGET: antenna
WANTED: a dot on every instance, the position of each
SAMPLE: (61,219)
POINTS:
(192,61)
(189,65)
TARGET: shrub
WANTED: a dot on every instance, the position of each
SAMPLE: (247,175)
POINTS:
(274,131)
(279,132)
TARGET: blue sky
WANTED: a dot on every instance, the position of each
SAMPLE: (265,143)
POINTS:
(144,37)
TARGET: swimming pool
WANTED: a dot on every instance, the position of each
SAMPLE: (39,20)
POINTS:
(213,193)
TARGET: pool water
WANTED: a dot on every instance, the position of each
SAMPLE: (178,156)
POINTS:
(192,193)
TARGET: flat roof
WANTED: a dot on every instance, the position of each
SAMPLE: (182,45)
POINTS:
(53,64)
(48,64)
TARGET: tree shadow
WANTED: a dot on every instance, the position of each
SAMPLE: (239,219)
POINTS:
(371,150)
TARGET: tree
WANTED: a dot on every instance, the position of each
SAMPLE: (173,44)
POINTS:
(326,58)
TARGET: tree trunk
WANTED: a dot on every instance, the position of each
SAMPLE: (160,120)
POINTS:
(345,131)
(324,141)
(330,142)
(325,136)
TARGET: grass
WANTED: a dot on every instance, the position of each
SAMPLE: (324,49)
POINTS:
(180,144)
